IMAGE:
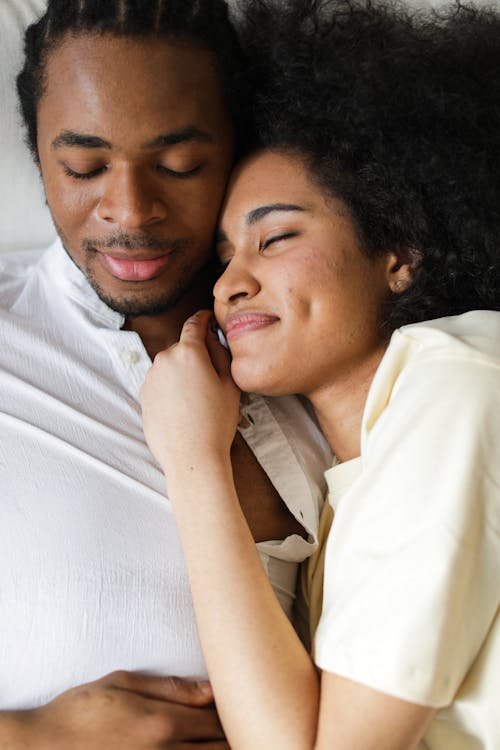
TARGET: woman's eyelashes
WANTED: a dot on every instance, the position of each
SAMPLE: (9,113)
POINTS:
(224,261)
(274,239)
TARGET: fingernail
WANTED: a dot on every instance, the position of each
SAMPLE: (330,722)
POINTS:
(205,687)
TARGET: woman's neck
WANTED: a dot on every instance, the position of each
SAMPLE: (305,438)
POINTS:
(339,406)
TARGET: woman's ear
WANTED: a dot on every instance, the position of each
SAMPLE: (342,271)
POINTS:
(402,267)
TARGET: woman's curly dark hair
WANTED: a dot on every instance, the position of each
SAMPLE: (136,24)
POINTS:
(397,114)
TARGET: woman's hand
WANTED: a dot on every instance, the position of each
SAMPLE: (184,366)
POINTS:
(190,404)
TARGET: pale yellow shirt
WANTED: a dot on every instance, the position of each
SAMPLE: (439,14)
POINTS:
(412,562)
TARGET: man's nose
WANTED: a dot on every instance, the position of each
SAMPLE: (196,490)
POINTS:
(131,198)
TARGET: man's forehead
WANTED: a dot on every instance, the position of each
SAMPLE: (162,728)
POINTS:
(101,78)
(99,60)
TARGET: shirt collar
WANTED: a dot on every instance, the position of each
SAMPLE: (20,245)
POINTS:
(66,275)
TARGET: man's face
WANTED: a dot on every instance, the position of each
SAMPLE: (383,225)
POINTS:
(135,146)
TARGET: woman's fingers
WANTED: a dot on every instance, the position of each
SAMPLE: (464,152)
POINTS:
(195,328)
(200,329)
(189,400)
(219,355)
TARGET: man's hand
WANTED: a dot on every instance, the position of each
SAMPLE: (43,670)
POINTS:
(122,711)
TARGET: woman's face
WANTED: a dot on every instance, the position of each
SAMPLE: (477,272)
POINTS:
(299,302)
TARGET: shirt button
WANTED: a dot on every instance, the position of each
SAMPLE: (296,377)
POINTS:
(132,357)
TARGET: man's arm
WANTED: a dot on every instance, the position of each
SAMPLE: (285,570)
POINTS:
(266,514)
(122,710)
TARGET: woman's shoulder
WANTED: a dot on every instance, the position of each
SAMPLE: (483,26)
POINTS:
(474,335)
(435,350)
(436,373)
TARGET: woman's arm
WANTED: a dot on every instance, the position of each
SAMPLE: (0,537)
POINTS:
(264,681)
(354,717)
(265,684)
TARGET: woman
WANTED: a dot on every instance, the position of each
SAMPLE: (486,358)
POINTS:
(360,247)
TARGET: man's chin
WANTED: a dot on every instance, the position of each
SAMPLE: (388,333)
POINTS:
(137,305)
(131,303)
(141,301)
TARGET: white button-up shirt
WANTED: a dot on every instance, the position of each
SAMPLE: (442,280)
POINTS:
(92,577)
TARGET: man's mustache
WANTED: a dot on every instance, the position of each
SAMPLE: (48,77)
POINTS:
(135,242)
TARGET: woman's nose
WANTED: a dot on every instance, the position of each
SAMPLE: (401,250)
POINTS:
(236,282)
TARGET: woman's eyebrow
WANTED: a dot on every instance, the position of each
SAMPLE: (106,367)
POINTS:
(258,213)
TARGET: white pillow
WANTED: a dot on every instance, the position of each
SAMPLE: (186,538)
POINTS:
(24,217)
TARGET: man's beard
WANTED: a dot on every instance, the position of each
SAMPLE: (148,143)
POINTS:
(133,305)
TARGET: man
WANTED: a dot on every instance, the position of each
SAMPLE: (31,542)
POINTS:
(128,108)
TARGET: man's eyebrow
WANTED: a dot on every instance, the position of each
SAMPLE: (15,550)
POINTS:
(258,213)
(184,135)
(82,140)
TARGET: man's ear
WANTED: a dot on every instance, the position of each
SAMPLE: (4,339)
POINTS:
(402,267)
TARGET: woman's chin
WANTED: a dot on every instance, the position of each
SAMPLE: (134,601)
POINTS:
(253,379)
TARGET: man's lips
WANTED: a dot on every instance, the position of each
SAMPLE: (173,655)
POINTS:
(134,269)
(239,324)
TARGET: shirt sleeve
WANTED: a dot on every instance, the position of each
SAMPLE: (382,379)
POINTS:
(294,454)
(413,558)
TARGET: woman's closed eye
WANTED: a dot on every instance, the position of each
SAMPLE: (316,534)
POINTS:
(275,238)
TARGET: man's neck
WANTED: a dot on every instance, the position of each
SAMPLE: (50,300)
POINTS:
(161,331)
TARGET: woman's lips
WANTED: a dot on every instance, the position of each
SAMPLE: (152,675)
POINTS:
(241,323)
(134,269)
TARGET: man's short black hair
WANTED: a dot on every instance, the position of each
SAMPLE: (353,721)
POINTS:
(204,21)
(397,114)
